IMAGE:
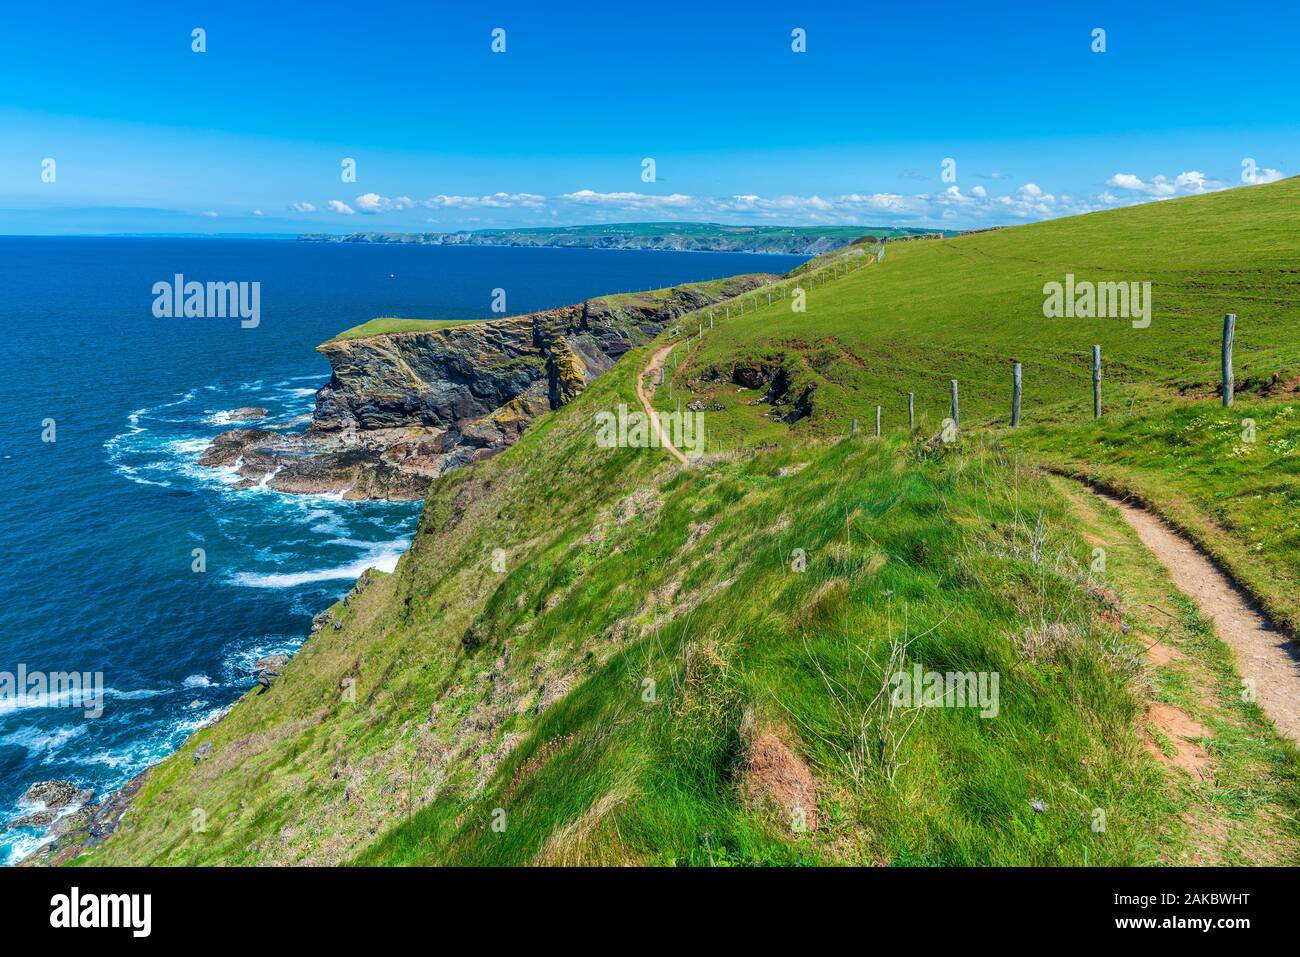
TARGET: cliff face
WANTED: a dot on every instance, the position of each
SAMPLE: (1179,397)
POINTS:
(402,408)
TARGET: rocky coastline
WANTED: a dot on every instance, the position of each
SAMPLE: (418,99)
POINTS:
(402,408)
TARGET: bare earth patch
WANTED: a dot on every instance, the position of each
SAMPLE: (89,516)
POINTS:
(775,774)
(1180,729)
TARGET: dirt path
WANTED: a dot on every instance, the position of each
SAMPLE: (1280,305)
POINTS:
(1265,655)
(649,373)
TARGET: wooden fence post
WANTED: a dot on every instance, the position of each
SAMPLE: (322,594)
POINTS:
(877,421)
(1096,382)
(1229,328)
(1015,394)
(955,407)
(911,411)
(855,427)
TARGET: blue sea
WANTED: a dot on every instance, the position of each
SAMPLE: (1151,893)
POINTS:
(98,527)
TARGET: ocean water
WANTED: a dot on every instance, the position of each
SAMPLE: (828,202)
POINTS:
(98,526)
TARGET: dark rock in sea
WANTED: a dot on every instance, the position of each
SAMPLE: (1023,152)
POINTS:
(53,795)
(403,408)
(38,819)
(247,412)
(71,822)
(227,447)
(85,829)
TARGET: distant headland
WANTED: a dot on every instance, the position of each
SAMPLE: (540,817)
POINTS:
(679,237)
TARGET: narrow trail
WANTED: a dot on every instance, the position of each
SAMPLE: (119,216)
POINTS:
(648,373)
(1265,655)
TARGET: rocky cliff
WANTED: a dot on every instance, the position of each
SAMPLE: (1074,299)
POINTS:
(402,408)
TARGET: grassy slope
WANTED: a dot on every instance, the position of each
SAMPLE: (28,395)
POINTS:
(386,324)
(967,307)
(524,690)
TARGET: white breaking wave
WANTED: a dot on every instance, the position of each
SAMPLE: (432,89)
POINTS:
(71,699)
(36,741)
(383,556)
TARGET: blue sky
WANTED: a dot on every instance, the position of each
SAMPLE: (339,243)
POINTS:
(249,136)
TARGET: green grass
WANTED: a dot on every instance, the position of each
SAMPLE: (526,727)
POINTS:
(967,308)
(386,324)
(520,696)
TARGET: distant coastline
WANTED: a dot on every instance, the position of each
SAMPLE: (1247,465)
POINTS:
(670,237)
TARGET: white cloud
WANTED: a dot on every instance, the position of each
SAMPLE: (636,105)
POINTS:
(374,203)
(1190,182)
(752,202)
(258,212)
(490,201)
(1126,181)
(888,202)
(1266,175)
(589,197)
(949,206)
(211,214)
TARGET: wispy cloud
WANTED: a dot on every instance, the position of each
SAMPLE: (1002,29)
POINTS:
(491,201)
(1186,183)
(589,197)
(951,206)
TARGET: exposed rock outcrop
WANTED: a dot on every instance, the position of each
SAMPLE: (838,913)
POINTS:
(86,828)
(53,795)
(402,408)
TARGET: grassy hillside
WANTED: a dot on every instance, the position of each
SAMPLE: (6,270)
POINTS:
(386,324)
(967,308)
(525,690)
(594,655)
(618,300)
